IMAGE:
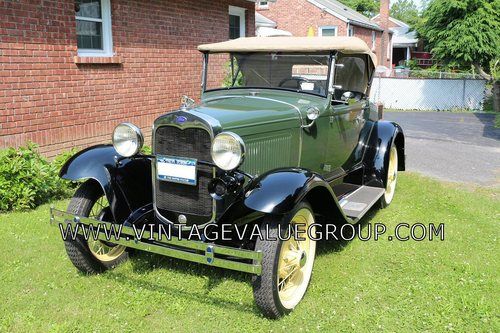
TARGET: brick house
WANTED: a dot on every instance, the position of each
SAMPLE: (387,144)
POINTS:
(72,70)
(404,42)
(331,18)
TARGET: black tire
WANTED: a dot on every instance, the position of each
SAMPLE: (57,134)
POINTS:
(265,286)
(78,250)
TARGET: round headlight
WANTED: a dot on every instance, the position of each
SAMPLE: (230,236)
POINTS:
(228,151)
(127,139)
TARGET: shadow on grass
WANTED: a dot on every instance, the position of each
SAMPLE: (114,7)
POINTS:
(201,297)
(143,262)
(325,247)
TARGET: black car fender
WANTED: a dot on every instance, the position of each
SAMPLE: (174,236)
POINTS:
(376,159)
(278,192)
(126,182)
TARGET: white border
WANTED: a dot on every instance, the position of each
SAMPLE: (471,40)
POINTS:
(238,11)
(320,29)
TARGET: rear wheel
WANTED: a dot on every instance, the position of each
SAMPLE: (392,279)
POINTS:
(286,264)
(92,256)
(392,177)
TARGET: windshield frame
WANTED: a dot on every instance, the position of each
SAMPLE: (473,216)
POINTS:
(206,57)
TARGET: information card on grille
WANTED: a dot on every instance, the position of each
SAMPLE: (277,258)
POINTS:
(176,169)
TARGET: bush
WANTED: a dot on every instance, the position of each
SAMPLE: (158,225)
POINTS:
(27,179)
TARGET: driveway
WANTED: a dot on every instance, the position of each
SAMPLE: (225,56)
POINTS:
(456,147)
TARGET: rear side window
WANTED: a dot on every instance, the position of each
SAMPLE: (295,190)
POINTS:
(353,75)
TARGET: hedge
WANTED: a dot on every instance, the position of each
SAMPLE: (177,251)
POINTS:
(27,179)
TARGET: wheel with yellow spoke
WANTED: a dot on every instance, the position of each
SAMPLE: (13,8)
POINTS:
(287,262)
(392,177)
(89,255)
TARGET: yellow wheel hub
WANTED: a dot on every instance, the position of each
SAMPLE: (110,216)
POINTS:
(392,175)
(296,260)
(103,251)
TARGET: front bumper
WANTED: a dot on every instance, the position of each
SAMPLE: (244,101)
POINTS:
(196,251)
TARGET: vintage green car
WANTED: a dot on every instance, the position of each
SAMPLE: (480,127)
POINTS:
(283,140)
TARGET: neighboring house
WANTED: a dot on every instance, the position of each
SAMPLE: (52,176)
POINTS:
(404,41)
(265,27)
(331,18)
(70,71)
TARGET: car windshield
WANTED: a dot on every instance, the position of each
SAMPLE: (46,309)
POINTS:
(307,73)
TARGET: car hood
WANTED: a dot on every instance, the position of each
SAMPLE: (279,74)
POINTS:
(247,110)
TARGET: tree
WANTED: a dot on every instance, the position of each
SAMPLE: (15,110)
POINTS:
(406,11)
(463,32)
(366,7)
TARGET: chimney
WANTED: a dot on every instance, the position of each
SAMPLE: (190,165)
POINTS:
(385,53)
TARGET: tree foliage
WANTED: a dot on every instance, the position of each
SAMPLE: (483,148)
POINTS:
(368,8)
(463,32)
(406,11)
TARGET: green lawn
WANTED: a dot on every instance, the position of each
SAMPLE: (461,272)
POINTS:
(360,286)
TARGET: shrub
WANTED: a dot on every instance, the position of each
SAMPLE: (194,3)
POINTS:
(27,179)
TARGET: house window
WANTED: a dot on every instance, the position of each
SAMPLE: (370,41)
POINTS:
(263,4)
(93,28)
(374,40)
(236,22)
(350,31)
(328,31)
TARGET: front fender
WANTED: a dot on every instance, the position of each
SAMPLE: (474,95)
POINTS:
(382,137)
(127,184)
(279,191)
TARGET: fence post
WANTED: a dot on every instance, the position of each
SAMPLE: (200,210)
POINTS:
(463,95)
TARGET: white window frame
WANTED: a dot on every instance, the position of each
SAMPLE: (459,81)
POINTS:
(350,31)
(238,11)
(107,36)
(266,6)
(328,27)
(374,40)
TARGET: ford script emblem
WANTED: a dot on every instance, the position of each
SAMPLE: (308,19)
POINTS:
(180,120)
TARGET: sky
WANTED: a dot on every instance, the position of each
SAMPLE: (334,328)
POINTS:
(417,2)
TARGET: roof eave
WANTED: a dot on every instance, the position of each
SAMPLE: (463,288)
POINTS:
(364,25)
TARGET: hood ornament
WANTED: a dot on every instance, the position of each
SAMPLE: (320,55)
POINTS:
(186,103)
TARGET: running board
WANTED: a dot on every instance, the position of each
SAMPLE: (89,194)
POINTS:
(356,204)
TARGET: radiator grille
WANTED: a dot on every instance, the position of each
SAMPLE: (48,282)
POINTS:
(181,198)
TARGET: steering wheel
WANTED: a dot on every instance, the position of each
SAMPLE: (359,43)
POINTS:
(299,80)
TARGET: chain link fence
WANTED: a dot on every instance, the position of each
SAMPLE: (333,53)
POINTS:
(440,93)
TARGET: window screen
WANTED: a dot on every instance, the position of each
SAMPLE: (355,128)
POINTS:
(89,24)
(234,26)
(353,76)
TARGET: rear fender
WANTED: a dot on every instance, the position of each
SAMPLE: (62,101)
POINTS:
(127,184)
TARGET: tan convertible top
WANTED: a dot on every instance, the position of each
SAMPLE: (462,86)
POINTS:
(347,45)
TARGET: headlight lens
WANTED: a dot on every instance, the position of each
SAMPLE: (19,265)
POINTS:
(228,151)
(127,139)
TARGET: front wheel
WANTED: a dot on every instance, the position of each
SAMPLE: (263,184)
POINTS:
(392,178)
(286,264)
(92,256)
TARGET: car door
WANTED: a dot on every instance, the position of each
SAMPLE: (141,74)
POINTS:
(347,114)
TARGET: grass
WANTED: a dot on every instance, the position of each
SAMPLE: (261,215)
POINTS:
(386,286)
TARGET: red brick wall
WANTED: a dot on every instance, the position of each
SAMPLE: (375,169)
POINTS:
(47,98)
(296,16)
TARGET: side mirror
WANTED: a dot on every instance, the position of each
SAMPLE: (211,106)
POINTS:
(347,96)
